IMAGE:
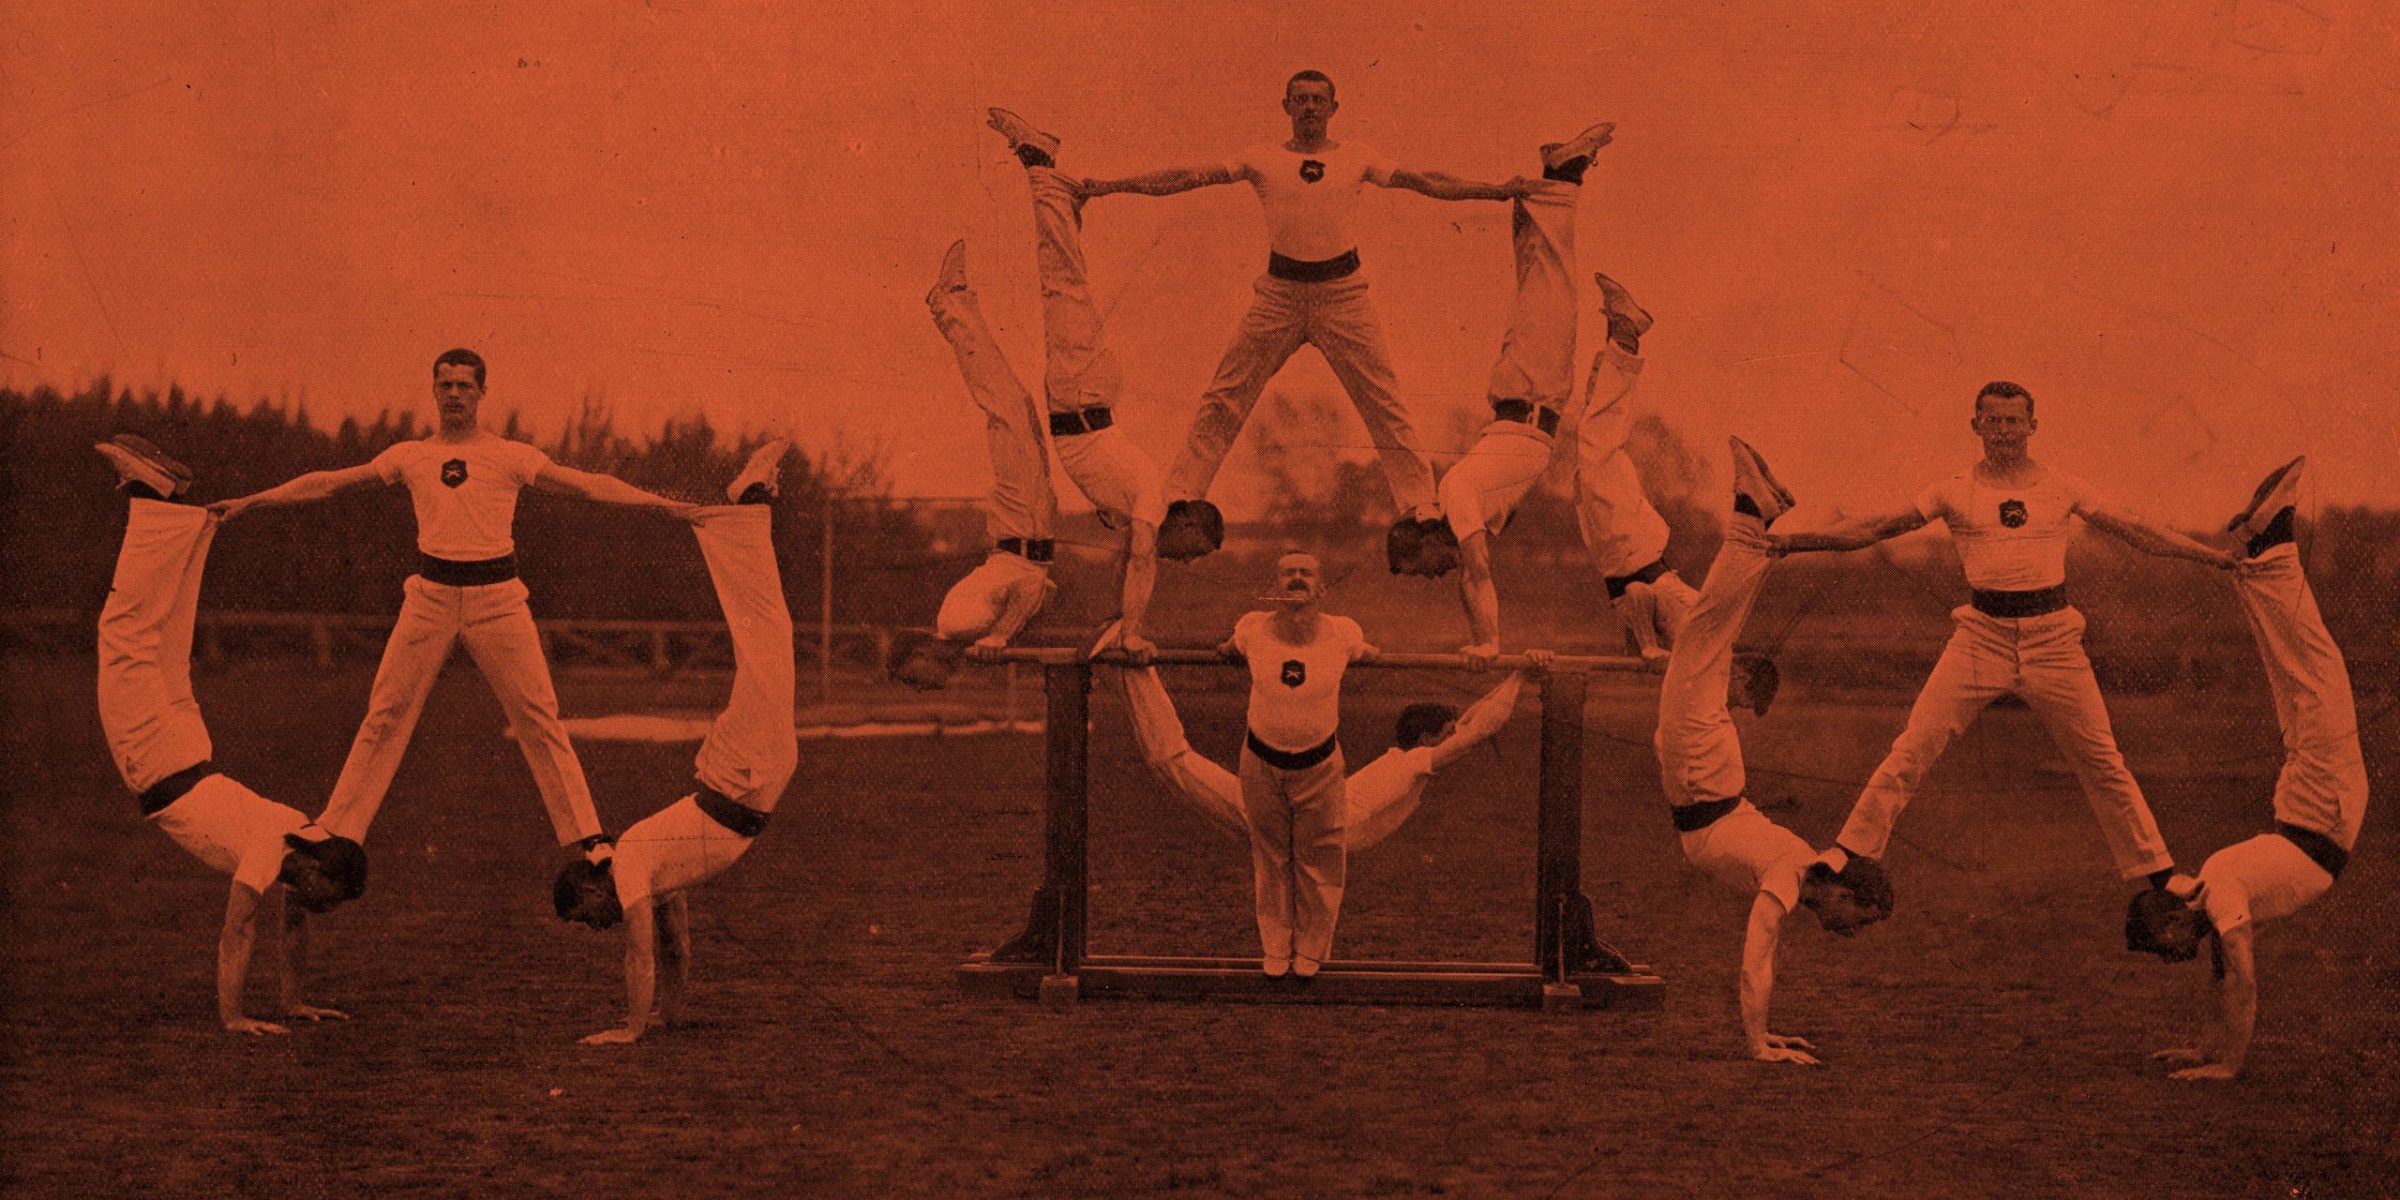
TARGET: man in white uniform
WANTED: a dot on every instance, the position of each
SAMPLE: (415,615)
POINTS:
(740,773)
(1700,767)
(162,749)
(1291,764)
(2010,517)
(997,598)
(1312,292)
(1381,796)
(2320,794)
(463,482)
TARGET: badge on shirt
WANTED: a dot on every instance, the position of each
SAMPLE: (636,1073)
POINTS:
(2012,513)
(1311,170)
(1295,672)
(454,472)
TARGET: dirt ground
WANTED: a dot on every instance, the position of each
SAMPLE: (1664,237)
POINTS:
(1990,1040)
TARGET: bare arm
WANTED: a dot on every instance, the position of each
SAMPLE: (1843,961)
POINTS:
(291,966)
(1141,578)
(233,959)
(304,489)
(1442,186)
(1758,985)
(603,489)
(2154,539)
(1159,183)
(675,955)
(641,975)
(1849,535)
(1482,719)
(1480,598)
(2228,1045)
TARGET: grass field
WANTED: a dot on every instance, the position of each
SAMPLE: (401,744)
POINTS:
(1990,1040)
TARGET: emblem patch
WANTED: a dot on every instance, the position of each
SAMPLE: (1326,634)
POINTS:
(454,472)
(1295,672)
(2012,513)
(1311,170)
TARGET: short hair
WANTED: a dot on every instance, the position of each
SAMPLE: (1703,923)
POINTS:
(1420,724)
(341,860)
(1311,75)
(905,643)
(1402,542)
(2159,922)
(460,357)
(1298,552)
(1199,515)
(1865,880)
(2001,389)
(578,881)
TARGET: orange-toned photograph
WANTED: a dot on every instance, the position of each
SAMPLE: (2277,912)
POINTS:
(1373,599)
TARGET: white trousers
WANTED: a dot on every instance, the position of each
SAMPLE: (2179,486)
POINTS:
(1022,505)
(2323,783)
(152,723)
(1699,751)
(1621,532)
(750,751)
(1299,856)
(2040,659)
(498,629)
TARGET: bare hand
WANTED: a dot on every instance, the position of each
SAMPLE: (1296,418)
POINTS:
(1781,1042)
(987,648)
(2179,1056)
(2225,562)
(1230,652)
(1139,649)
(2209,1072)
(1541,659)
(310,1012)
(226,510)
(252,1027)
(1786,1054)
(1778,546)
(613,1037)
(1479,657)
(1518,187)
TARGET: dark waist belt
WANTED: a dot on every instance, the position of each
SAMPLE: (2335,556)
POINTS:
(467,574)
(1692,818)
(2038,602)
(1302,271)
(2321,850)
(740,819)
(1542,417)
(1089,420)
(171,789)
(1029,549)
(1290,760)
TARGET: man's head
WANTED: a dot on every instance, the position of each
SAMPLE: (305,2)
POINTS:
(923,661)
(1298,578)
(587,892)
(1431,548)
(458,387)
(2004,415)
(2161,923)
(323,872)
(1192,528)
(1428,723)
(1308,101)
(1848,900)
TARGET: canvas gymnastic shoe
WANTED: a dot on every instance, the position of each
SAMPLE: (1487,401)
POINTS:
(951,277)
(1754,488)
(1021,134)
(762,474)
(137,461)
(1582,145)
(1637,610)
(2271,505)
(1619,303)
(1671,601)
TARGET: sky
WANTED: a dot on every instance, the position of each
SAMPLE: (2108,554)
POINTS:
(2175,223)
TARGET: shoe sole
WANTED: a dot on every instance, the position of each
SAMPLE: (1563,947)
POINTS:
(155,458)
(2258,499)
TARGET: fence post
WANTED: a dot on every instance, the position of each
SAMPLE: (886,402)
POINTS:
(1558,836)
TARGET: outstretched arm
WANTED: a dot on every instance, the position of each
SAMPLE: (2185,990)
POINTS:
(1141,578)
(291,966)
(304,489)
(675,956)
(1758,984)
(1159,183)
(603,489)
(1480,598)
(233,959)
(1481,720)
(1849,535)
(641,975)
(1441,186)
(2154,539)
(2227,1045)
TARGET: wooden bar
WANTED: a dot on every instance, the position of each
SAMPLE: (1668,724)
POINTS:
(1194,657)
(1132,977)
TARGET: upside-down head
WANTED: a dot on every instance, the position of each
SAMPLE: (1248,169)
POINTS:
(1850,899)
(923,661)
(586,891)
(1426,723)
(2161,923)
(323,873)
